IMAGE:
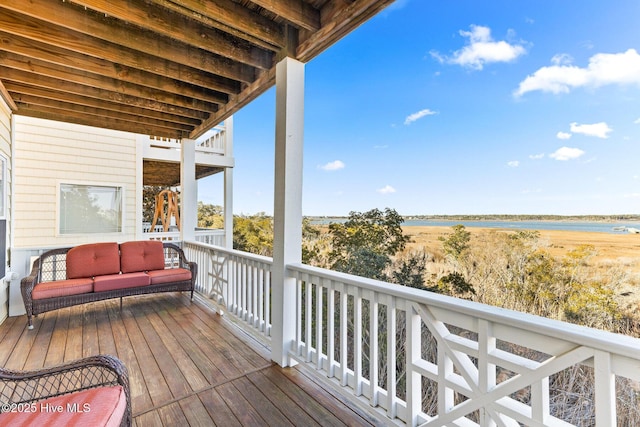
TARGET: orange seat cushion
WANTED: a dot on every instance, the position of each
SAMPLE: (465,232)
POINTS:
(102,406)
(120,281)
(169,275)
(62,288)
(95,259)
(143,255)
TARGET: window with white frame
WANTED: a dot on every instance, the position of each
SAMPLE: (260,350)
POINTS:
(90,209)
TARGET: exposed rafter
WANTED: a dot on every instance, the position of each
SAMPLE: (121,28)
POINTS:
(168,68)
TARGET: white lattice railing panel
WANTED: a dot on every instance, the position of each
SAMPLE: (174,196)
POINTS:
(428,359)
(239,282)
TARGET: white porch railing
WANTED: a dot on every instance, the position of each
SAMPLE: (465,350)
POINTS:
(208,236)
(239,282)
(484,365)
(428,359)
(213,142)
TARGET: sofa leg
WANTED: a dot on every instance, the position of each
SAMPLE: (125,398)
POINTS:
(120,303)
(30,322)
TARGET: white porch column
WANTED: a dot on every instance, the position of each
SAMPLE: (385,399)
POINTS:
(228,186)
(287,210)
(188,191)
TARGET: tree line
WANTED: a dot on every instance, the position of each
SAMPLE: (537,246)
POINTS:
(511,270)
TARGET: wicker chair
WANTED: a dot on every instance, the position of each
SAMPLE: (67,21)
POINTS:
(72,390)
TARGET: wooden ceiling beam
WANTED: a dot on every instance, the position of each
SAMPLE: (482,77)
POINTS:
(180,28)
(42,104)
(6,97)
(109,123)
(26,94)
(232,18)
(125,23)
(86,91)
(39,76)
(61,56)
(296,12)
(145,53)
(31,65)
(184,63)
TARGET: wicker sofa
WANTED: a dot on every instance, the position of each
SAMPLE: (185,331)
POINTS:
(93,391)
(98,271)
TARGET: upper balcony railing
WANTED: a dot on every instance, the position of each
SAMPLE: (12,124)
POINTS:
(212,143)
(428,359)
(203,235)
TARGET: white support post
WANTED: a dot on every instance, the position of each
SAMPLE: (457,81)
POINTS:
(287,212)
(188,191)
(228,186)
(139,229)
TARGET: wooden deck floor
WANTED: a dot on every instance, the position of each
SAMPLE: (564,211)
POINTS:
(186,366)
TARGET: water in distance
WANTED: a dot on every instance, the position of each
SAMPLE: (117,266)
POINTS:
(602,227)
(596,226)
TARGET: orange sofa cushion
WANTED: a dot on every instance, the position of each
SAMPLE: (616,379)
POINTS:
(62,288)
(95,259)
(120,281)
(169,275)
(102,406)
(143,255)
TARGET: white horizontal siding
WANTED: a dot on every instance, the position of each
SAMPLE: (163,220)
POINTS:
(48,153)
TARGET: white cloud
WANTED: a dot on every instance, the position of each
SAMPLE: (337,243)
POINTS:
(387,189)
(420,114)
(562,59)
(481,49)
(632,196)
(332,166)
(599,130)
(566,153)
(536,156)
(637,121)
(563,135)
(603,69)
(513,163)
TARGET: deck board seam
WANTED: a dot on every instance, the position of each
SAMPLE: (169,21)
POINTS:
(203,389)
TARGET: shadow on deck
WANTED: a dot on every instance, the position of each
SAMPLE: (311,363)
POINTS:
(186,365)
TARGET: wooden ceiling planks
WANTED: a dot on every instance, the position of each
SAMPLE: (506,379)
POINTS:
(167,68)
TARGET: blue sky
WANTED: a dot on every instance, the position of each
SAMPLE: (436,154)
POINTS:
(463,107)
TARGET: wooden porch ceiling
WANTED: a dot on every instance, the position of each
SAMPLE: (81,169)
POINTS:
(168,68)
(167,174)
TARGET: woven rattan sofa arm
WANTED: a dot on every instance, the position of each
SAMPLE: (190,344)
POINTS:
(27,283)
(178,250)
(81,374)
(194,269)
(26,288)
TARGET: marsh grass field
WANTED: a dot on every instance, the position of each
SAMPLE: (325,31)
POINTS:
(610,248)
(613,252)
